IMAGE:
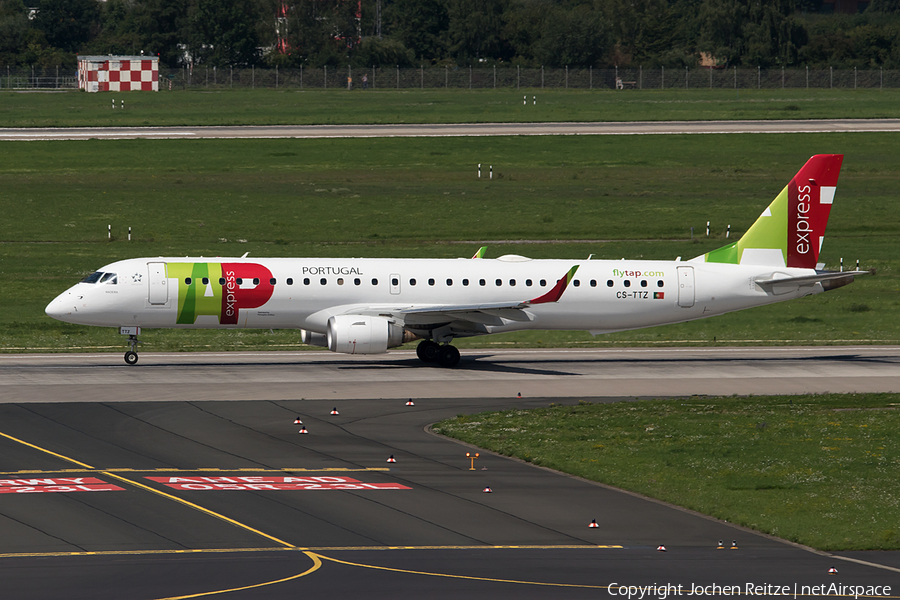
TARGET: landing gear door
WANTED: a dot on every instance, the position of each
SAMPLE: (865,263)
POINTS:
(159,284)
(685,287)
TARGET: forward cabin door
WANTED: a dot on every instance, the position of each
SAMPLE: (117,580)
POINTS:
(159,284)
(395,283)
(685,287)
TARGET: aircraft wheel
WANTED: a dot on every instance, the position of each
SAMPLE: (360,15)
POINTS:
(428,351)
(448,356)
(131,357)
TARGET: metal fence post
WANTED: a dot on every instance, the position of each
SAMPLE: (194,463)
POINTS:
(758,77)
(782,77)
(398,77)
(253,77)
(591,76)
(276,77)
(641,77)
(495,77)
(735,76)
(710,77)
(542,76)
(518,75)
(685,78)
(662,78)
(807,76)
(567,76)
(301,77)
(831,77)
(373,77)
(470,77)
(446,76)
(325,79)
(422,74)
(854,78)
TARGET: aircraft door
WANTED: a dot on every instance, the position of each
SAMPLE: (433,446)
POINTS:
(395,283)
(685,287)
(159,284)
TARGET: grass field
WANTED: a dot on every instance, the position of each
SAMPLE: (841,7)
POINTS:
(633,196)
(295,107)
(818,470)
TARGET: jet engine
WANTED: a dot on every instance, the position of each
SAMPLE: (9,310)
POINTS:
(311,338)
(360,334)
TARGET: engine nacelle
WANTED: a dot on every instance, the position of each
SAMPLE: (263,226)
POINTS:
(361,334)
(311,338)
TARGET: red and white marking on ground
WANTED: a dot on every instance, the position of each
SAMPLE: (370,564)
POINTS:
(56,485)
(271,483)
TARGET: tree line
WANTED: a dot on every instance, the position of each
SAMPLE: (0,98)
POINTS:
(554,33)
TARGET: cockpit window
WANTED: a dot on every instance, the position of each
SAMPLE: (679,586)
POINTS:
(109,278)
(93,277)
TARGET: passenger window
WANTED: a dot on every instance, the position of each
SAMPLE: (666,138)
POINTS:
(499,282)
(610,283)
(357,281)
(239,281)
(221,281)
(593,283)
(374,281)
(465,282)
(205,280)
(256,281)
(627,283)
(306,281)
(659,283)
(412,281)
(323,281)
(543,283)
(187,281)
(512,283)
(482,282)
(272,281)
(340,281)
(643,283)
(431,282)
(528,282)
(449,282)
(576,283)
(395,281)
(289,281)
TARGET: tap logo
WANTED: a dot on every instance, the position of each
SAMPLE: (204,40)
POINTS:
(221,290)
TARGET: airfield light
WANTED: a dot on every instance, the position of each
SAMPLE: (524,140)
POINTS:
(472,458)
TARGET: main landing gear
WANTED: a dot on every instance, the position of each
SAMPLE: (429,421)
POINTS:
(429,351)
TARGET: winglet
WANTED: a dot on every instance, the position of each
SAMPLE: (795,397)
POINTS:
(480,253)
(556,293)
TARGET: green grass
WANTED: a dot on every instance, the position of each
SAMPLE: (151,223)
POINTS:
(817,470)
(296,107)
(633,196)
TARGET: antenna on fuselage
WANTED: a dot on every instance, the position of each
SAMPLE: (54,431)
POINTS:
(245,255)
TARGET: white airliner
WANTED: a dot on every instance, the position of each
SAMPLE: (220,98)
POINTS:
(365,306)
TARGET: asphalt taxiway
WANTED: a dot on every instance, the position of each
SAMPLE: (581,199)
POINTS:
(155,489)
(455,129)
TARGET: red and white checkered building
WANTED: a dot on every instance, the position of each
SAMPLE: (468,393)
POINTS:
(118,73)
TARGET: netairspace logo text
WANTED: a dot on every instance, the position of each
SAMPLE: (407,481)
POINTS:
(661,592)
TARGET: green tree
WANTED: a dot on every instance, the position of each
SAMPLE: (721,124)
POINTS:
(474,31)
(68,24)
(14,29)
(225,32)
(420,25)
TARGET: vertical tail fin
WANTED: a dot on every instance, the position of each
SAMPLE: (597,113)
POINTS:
(789,233)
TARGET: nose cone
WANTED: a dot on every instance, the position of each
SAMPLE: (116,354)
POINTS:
(62,307)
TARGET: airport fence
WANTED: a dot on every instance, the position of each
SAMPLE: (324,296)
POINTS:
(380,78)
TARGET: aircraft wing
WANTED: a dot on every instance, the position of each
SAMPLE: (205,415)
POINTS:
(478,314)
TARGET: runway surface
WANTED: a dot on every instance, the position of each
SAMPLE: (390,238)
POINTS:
(449,130)
(495,374)
(157,488)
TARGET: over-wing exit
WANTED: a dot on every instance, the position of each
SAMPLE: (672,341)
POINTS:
(366,306)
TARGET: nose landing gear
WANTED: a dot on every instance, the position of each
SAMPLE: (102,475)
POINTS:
(131,356)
